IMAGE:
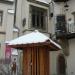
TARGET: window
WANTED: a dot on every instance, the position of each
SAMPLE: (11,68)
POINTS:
(1,16)
(38,18)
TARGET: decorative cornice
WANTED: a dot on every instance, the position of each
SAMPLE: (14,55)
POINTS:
(37,2)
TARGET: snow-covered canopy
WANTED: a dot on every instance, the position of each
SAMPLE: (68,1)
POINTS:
(34,37)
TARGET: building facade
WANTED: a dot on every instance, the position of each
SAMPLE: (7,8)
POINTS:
(45,16)
(64,19)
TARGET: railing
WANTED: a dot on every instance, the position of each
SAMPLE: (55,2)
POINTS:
(65,30)
(70,28)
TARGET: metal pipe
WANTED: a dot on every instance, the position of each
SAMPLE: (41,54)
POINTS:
(15,10)
(15,13)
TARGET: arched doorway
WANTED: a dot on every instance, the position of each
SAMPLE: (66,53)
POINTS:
(61,64)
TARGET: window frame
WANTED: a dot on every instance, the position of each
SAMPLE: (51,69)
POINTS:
(46,18)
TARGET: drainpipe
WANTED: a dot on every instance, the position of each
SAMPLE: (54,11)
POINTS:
(15,9)
(73,13)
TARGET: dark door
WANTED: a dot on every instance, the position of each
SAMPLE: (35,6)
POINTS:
(61,65)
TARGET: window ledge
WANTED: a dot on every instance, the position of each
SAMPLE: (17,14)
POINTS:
(38,2)
(32,29)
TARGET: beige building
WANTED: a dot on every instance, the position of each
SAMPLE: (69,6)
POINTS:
(41,15)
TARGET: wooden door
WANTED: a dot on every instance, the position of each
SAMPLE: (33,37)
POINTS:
(36,61)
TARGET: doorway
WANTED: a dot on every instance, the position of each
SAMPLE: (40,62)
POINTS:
(61,65)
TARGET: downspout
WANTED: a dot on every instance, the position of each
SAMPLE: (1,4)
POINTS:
(15,9)
(15,13)
(73,13)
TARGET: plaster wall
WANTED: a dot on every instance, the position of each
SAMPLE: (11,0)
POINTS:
(6,27)
(53,62)
(71,58)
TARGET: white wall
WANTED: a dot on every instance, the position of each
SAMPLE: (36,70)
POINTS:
(53,62)
(71,58)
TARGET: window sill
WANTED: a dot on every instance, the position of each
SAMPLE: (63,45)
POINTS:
(32,29)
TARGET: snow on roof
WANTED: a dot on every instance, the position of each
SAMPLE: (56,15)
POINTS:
(34,37)
(55,43)
(44,1)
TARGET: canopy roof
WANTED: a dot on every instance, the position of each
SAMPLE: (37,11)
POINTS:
(33,38)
